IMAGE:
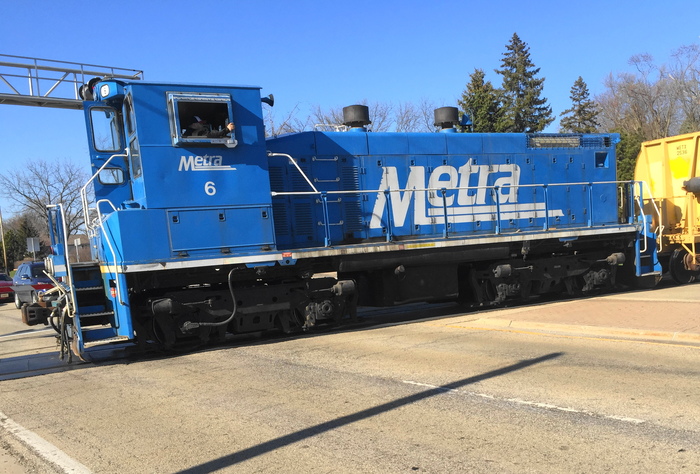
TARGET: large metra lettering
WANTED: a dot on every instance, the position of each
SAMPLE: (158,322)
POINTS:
(470,195)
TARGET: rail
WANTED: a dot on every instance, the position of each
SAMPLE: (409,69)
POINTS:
(293,161)
(49,83)
(93,226)
(330,127)
(640,202)
(84,199)
(543,207)
(69,268)
(100,221)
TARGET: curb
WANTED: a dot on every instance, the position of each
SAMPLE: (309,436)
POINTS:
(601,331)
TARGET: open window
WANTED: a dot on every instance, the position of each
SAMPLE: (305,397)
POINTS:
(201,119)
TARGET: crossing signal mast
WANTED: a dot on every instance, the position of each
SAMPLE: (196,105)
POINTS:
(48,83)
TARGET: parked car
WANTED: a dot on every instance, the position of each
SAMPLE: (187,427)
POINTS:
(6,291)
(28,281)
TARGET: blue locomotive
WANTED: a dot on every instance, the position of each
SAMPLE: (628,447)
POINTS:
(201,227)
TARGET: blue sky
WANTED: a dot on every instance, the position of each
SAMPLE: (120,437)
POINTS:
(326,53)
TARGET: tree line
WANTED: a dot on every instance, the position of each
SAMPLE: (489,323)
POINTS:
(653,101)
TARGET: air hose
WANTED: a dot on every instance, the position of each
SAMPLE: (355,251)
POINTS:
(188,325)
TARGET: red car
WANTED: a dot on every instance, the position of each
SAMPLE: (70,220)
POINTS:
(6,291)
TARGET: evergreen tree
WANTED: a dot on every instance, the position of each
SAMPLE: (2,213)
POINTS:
(18,230)
(15,247)
(689,125)
(524,108)
(582,116)
(627,151)
(480,101)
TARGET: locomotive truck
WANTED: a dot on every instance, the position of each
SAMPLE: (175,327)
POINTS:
(201,226)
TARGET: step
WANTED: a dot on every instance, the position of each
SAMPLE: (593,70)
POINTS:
(95,315)
(97,318)
(88,264)
(109,340)
(98,333)
(89,288)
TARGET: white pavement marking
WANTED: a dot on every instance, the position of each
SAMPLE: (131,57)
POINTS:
(546,406)
(42,448)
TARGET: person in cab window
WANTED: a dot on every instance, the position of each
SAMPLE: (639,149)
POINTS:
(201,128)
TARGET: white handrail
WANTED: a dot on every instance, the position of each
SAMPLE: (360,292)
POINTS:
(660,227)
(83,190)
(109,244)
(269,153)
(69,271)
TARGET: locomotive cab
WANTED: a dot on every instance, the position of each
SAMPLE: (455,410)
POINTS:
(149,142)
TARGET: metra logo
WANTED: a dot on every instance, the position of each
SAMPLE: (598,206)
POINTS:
(203,163)
(463,205)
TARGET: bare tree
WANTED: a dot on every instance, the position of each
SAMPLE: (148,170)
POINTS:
(380,114)
(426,114)
(407,117)
(385,116)
(655,101)
(331,117)
(41,183)
(685,76)
(288,124)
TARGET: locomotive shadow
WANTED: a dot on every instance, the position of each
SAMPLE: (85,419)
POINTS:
(286,440)
(44,363)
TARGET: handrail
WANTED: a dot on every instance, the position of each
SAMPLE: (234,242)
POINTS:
(109,244)
(92,226)
(644,223)
(642,185)
(69,269)
(332,127)
(442,191)
(83,190)
(293,161)
(454,188)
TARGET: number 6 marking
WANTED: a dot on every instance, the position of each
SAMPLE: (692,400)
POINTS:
(209,188)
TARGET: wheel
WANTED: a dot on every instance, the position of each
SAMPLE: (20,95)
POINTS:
(18,302)
(677,268)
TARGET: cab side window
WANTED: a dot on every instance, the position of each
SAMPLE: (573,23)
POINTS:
(201,119)
(132,139)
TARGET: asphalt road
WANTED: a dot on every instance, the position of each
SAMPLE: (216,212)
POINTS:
(431,395)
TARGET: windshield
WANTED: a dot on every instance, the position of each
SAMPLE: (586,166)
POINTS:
(105,129)
(38,271)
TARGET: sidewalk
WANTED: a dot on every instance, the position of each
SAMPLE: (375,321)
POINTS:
(668,313)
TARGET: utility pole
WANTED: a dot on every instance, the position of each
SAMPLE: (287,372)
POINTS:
(4,250)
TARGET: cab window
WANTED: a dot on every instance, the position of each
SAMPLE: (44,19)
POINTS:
(135,154)
(111,176)
(200,118)
(105,129)
(129,116)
